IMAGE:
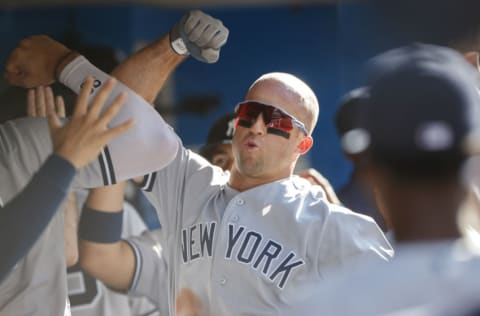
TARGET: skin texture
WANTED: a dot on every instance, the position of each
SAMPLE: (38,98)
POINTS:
(256,152)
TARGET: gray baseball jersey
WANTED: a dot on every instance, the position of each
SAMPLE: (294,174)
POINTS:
(150,264)
(251,252)
(37,284)
(90,297)
(420,278)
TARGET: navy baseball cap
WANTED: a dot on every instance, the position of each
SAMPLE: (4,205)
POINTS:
(351,118)
(423,108)
(221,132)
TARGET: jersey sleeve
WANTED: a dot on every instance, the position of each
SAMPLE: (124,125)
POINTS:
(148,146)
(52,180)
(166,189)
(354,236)
(150,277)
(25,145)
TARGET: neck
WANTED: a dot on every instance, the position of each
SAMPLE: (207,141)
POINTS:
(426,213)
(241,182)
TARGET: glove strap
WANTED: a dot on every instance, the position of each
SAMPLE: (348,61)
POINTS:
(176,41)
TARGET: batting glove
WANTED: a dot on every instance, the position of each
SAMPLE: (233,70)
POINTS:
(199,35)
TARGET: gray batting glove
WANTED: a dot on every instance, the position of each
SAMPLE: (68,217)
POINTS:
(199,35)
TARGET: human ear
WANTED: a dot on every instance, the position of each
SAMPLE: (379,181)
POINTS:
(305,145)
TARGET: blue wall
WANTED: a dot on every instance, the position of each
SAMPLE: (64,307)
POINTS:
(309,42)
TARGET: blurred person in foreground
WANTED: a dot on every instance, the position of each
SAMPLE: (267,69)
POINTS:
(422,127)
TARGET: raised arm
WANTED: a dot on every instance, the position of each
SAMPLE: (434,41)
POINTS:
(75,144)
(39,59)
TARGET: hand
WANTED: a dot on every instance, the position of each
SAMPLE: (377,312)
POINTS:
(83,137)
(200,35)
(34,61)
(316,178)
(41,101)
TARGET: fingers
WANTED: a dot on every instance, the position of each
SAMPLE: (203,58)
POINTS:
(192,21)
(197,31)
(53,121)
(82,100)
(100,98)
(13,74)
(40,101)
(210,55)
(60,103)
(220,38)
(206,35)
(31,110)
(49,101)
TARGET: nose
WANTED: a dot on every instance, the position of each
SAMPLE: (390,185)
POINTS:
(258,127)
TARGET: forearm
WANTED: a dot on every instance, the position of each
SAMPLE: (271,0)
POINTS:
(146,71)
(111,261)
(113,264)
(70,230)
(38,202)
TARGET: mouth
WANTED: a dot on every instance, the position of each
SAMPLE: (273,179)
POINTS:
(251,145)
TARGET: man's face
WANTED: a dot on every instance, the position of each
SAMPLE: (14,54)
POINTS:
(259,153)
(222,156)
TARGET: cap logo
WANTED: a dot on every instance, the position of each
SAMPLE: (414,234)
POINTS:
(355,141)
(230,128)
(434,136)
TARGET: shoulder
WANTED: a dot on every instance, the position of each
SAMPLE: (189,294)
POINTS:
(24,132)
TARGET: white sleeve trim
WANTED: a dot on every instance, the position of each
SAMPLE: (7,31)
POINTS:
(138,265)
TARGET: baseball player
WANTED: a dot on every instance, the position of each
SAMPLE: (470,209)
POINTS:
(38,61)
(357,193)
(72,150)
(88,296)
(248,236)
(422,126)
(218,147)
(218,151)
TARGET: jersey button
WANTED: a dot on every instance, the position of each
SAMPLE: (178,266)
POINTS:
(240,202)
(235,218)
(223,281)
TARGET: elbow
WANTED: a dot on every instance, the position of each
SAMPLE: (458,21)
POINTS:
(91,261)
(164,149)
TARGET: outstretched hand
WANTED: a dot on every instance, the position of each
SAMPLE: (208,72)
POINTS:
(83,137)
(199,35)
(41,101)
(34,61)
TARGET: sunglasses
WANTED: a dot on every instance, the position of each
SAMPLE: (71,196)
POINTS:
(278,121)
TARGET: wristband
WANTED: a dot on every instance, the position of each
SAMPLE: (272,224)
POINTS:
(76,72)
(176,41)
(62,60)
(100,227)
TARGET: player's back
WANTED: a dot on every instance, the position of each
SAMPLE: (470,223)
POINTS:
(36,285)
(421,276)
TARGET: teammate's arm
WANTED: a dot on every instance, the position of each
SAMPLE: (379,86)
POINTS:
(107,258)
(39,101)
(39,59)
(75,144)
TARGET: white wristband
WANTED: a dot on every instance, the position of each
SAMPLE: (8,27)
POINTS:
(76,72)
(179,46)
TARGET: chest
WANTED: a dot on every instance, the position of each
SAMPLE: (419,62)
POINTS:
(245,239)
